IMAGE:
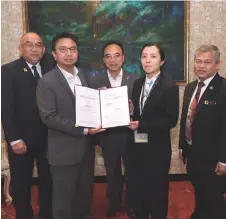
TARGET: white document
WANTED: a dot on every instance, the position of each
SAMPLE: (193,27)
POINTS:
(108,108)
(115,107)
(87,107)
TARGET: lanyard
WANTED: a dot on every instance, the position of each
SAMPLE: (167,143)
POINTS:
(142,103)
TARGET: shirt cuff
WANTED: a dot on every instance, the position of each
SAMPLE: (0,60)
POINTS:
(15,142)
(85,131)
(224,164)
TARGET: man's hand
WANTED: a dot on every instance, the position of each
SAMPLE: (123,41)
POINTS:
(19,148)
(220,169)
(93,131)
(134,125)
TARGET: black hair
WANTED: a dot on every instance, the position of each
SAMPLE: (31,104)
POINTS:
(63,35)
(113,42)
(158,46)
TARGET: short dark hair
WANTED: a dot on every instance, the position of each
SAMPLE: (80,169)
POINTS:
(113,42)
(63,35)
(158,46)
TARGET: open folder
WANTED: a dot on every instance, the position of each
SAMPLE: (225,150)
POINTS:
(108,108)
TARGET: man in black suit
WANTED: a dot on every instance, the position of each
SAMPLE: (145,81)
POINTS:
(113,141)
(70,148)
(25,133)
(203,134)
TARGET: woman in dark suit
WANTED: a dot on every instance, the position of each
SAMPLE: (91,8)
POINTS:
(156,108)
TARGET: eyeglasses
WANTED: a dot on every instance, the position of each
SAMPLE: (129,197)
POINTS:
(64,49)
(31,46)
(109,57)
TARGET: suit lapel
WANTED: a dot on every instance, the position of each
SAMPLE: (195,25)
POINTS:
(208,94)
(63,82)
(125,79)
(106,80)
(82,78)
(154,90)
(27,71)
(188,96)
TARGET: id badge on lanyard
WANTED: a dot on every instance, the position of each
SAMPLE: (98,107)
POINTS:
(143,137)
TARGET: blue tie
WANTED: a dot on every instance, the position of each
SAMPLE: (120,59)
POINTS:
(149,83)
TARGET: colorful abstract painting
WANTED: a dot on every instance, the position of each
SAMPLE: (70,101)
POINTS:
(134,23)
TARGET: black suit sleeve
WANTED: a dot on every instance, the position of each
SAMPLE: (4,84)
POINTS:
(222,142)
(8,101)
(182,123)
(171,111)
(46,102)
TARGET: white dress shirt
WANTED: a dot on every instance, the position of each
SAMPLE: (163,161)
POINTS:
(115,82)
(72,79)
(206,82)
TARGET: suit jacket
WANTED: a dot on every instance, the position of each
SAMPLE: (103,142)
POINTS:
(159,115)
(102,80)
(56,102)
(209,125)
(20,117)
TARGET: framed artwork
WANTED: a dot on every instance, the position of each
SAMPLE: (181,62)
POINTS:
(134,23)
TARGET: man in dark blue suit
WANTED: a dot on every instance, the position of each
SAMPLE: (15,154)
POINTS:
(25,133)
(113,141)
(203,134)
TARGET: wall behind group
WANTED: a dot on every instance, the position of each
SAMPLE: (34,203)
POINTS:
(207,25)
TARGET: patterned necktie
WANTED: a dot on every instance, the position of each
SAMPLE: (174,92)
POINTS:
(191,112)
(36,74)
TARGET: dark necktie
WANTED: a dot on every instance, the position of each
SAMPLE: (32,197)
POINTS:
(191,112)
(36,74)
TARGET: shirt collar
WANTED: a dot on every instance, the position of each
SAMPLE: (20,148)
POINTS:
(67,74)
(208,80)
(153,78)
(119,75)
(30,65)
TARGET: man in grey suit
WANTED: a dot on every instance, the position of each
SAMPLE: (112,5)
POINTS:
(113,141)
(70,148)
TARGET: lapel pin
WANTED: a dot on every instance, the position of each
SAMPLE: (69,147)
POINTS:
(25,70)
(206,102)
(211,88)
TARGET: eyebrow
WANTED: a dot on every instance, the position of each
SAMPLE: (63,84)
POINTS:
(32,42)
(150,53)
(107,54)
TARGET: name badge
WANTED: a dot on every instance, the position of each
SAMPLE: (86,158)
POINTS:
(140,137)
(210,102)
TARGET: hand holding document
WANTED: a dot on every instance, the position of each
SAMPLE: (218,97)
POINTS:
(93,131)
(107,107)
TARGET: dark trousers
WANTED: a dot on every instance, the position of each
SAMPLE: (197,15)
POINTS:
(208,187)
(148,182)
(73,188)
(21,173)
(113,148)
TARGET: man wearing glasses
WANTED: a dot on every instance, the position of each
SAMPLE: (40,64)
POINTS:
(113,141)
(70,148)
(25,133)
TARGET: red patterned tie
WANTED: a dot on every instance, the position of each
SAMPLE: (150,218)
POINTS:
(191,112)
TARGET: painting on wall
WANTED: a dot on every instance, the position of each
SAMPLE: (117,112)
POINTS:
(134,23)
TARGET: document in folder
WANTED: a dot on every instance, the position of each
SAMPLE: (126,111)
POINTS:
(108,108)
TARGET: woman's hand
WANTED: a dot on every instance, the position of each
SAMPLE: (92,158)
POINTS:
(134,125)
